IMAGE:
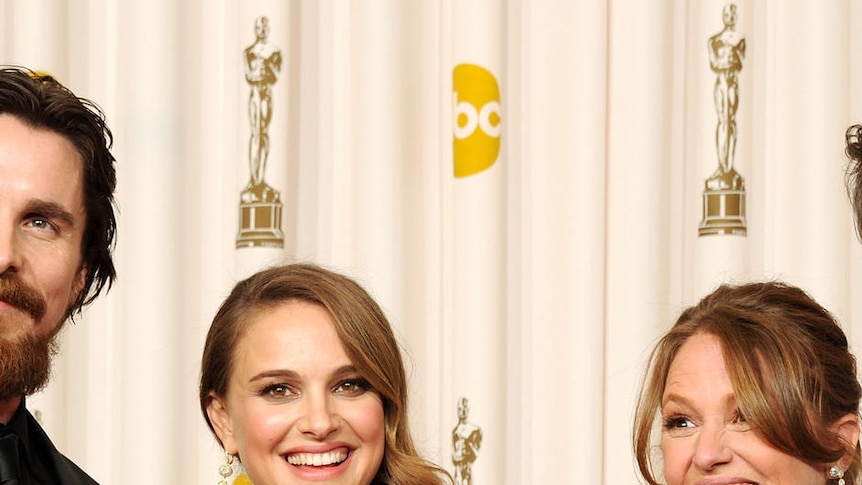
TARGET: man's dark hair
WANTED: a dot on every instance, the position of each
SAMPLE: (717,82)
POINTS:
(41,102)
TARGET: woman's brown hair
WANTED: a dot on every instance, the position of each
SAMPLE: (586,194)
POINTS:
(788,361)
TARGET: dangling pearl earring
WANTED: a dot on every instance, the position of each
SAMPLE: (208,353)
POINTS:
(226,469)
(836,473)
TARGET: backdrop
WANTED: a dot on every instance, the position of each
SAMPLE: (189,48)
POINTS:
(532,189)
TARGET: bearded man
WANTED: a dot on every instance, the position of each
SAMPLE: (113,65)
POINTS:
(57,228)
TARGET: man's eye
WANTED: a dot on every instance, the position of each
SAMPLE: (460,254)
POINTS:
(40,224)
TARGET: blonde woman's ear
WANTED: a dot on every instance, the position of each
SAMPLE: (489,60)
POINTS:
(221,421)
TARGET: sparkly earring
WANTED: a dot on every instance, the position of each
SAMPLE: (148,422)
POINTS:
(226,469)
(836,473)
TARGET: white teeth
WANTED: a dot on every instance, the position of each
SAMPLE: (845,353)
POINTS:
(317,459)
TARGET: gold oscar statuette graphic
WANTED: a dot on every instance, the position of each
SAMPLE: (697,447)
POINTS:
(260,205)
(466,440)
(724,190)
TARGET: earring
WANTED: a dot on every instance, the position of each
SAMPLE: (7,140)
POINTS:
(226,469)
(836,473)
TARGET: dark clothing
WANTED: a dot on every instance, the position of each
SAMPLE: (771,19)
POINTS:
(39,462)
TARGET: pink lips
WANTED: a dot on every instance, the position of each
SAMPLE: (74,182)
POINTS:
(318,463)
(725,481)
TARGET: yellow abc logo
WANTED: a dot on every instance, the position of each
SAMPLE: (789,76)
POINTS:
(477,119)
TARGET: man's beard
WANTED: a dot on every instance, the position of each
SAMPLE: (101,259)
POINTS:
(21,295)
(25,364)
(25,361)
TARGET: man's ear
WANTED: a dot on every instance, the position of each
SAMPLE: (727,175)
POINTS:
(80,281)
(220,418)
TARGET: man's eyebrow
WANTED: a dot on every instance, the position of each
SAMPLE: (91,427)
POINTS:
(50,210)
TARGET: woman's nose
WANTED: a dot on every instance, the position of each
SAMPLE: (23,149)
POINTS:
(711,448)
(319,419)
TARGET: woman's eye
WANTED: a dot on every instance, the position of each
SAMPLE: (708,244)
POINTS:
(739,422)
(352,386)
(677,422)
(277,390)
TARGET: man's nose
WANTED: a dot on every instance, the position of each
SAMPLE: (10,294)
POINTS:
(10,251)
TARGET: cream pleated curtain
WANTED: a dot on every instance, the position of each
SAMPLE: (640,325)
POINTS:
(533,287)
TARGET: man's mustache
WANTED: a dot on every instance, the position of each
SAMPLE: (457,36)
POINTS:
(17,293)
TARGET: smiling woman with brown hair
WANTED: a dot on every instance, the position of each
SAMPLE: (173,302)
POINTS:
(754,384)
(302,379)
